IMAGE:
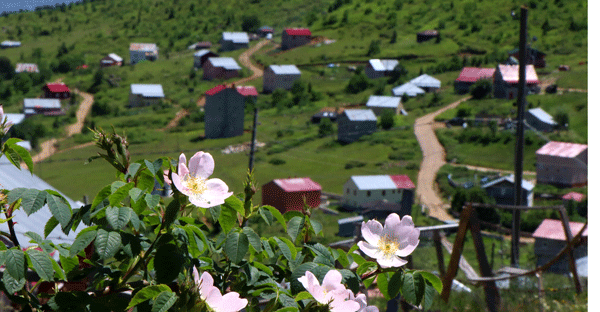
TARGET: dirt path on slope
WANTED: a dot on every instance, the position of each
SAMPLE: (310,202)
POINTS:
(434,157)
(485,169)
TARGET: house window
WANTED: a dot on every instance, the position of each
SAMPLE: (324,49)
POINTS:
(354,192)
(383,193)
(368,193)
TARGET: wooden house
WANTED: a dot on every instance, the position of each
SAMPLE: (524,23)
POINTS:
(56,91)
(26,68)
(291,194)
(361,190)
(380,68)
(224,110)
(538,119)
(503,191)
(469,75)
(506,79)
(550,239)
(280,76)
(295,37)
(354,123)
(142,51)
(562,164)
(220,68)
(381,103)
(202,56)
(427,35)
(231,41)
(46,107)
(145,94)
(534,57)
(111,60)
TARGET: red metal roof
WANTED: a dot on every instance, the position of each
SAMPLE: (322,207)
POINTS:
(215,90)
(57,87)
(510,73)
(578,197)
(402,181)
(298,31)
(553,229)
(472,74)
(298,184)
(247,90)
(562,149)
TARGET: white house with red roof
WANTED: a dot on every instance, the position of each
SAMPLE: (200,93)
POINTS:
(224,110)
(550,239)
(359,190)
(469,75)
(562,163)
(291,194)
(506,80)
(295,37)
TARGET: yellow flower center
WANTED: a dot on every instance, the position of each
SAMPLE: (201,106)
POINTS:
(388,245)
(196,185)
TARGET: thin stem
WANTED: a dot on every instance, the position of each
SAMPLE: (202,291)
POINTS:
(11,228)
(140,260)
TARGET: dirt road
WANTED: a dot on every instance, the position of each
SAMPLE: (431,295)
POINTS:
(485,169)
(434,157)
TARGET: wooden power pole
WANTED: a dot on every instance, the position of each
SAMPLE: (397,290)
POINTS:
(253,143)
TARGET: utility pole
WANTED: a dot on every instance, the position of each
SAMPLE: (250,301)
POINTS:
(253,143)
(516,222)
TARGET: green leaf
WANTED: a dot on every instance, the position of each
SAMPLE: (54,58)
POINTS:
(227,218)
(266,215)
(12,284)
(278,216)
(35,237)
(298,272)
(70,301)
(50,225)
(119,191)
(234,203)
(303,295)
(84,238)
(60,210)
(101,196)
(135,194)
(164,301)
(295,226)
(168,263)
(15,194)
(343,258)
(413,288)
(428,297)
(286,247)
(107,243)
(33,200)
(118,217)
(317,226)
(236,246)
(69,263)
(288,309)
(25,156)
(12,156)
(171,213)
(433,279)
(41,264)
(150,167)
(292,213)
(395,284)
(15,263)
(147,293)
(357,258)
(367,266)
(132,170)
(145,181)
(58,271)
(367,282)
(382,284)
(152,200)
(262,267)
(253,238)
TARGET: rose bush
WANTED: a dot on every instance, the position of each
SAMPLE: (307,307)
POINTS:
(140,252)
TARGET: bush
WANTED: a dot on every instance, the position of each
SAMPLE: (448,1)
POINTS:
(354,164)
(374,48)
(325,127)
(250,23)
(7,70)
(358,83)
(387,120)
(481,89)
(276,161)
(401,155)
(100,108)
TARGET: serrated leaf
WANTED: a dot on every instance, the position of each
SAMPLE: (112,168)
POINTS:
(119,191)
(277,215)
(234,203)
(288,309)
(50,225)
(357,258)
(150,167)
(266,215)
(35,237)
(145,181)
(262,267)
(285,248)
(15,263)
(69,263)
(164,301)
(12,284)
(295,226)
(253,238)
(147,293)
(428,297)
(84,238)
(394,284)
(303,295)
(367,282)
(101,196)
(41,264)
(133,169)
(59,273)
(25,156)
(60,210)
(15,194)
(367,266)
(382,284)
(118,217)
(12,156)
(135,193)
(33,200)
(433,279)
(317,226)
(413,288)
(171,213)
(236,246)
(107,243)
(343,258)
(227,218)
(152,200)
(292,213)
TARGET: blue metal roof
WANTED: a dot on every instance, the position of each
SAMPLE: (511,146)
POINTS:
(374,182)
(383,65)
(360,114)
(148,90)
(285,69)
(511,178)
(383,101)
(226,62)
(202,52)
(408,89)
(236,37)
(426,81)
(540,114)
(42,103)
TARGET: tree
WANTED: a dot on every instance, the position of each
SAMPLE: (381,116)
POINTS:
(398,72)
(7,70)
(394,37)
(359,82)
(562,118)
(250,23)
(325,127)
(481,89)
(374,48)
(22,82)
(475,195)
(387,119)
(279,96)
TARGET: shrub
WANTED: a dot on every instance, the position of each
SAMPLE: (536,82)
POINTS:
(481,89)
(374,48)
(387,120)
(250,23)
(358,83)
(276,161)
(354,164)
(325,127)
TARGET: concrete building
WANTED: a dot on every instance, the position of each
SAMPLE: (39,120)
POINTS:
(562,164)
(354,123)
(361,190)
(46,107)
(220,68)
(469,75)
(231,41)
(224,110)
(550,239)
(380,103)
(503,191)
(540,120)
(280,76)
(380,68)
(145,94)
(295,37)
(506,79)
(290,194)
(142,51)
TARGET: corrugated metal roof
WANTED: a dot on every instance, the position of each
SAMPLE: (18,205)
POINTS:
(26,67)
(203,52)
(8,43)
(553,229)
(285,69)
(215,90)
(11,178)
(351,220)
(148,90)
(42,103)
(226,62)
(472,74)
(383,65)
(143,47)
(511,179)
(578,197)
(408,89)
(236,37)
(360,114)
(374,182)
(298,184)
(402,181)
(15,119)
(298,31)
(247,90)
(510,73)
(562,149)
(541,114)
(57,87)
(115,57)
(383,101)
(426,81)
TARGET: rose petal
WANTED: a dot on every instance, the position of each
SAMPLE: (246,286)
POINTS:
(389,262)
(232,302)
(370,250)
(332,280)
(179,185)
(182,169)
(344,306)
(196,276)
(371,231)
(206,285)
(202,165)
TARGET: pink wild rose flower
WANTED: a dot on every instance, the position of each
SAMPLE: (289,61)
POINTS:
(332,293)
(211,295)
(398,238)
(361,299)
(4,123)
(194,182)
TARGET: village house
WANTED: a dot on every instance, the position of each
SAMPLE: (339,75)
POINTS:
(111,60)
(142,51)
(362,190)
(234,41)
(201,56)
(26,68)
(506,79)
(354,123)
(10,44)
(46,107)
(265,30)
(295,37)
(145,94)
(538,119)
(469,75)
(563,164)
(291,194)
(280,76)
(56,91)
(535,57)
(347,227)
(316,118)
(409,89)
(427,35)
(380,68)
(220,68)
(200,45)
(224,110)
(503,191)
(427,83)
(550,239)
(381,103)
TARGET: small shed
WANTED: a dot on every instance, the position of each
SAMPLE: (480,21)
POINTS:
(469,75)
(550,239)
(535,57)
(381,103)
(380,68)
(220,68)
(265,30)
(290,194)
(295,37)
(409,89)
(231,41)
(224,110)
(562,164)
(506,80)
(26,68)
(540,120)
(354,123)
(145,94)
(46,107)
(200,45)
(347,227)
(111,60)
(316,118)
(57,91)
(359,190)
(426,83)
(427,35)
(503,191)
(201,56)
(142,51)
(280,76)
(10,44)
